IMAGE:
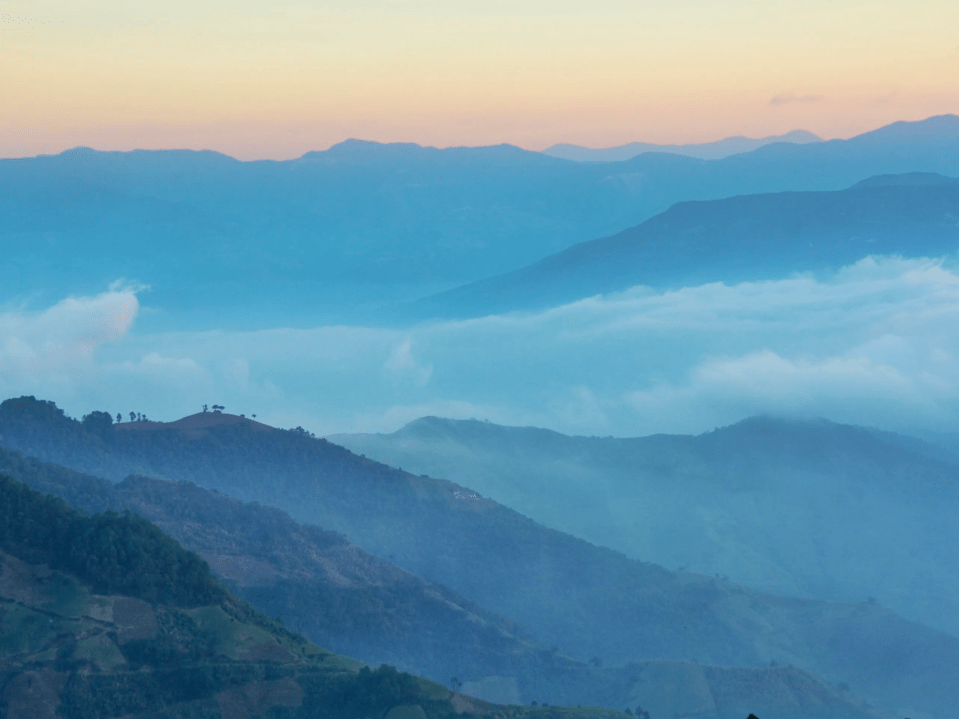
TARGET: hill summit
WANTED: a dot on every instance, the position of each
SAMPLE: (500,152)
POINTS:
(106,616)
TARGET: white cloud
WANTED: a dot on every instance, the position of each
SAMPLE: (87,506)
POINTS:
(878,344)
(848,389)
(61,340)
(401,363)
(788,98)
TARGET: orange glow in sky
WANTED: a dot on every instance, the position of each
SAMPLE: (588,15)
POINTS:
(258,79)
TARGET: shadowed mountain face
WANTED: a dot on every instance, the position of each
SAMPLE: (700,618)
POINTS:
(807,508)
(333,590)
(341,596)
(221,242)
(747,238)
(586,600)
(105,616)
(703,151)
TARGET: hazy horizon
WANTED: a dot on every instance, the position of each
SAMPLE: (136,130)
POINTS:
(276,81)
(346,140)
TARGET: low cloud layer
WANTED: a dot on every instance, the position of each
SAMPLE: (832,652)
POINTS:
(876,344)
(59,343)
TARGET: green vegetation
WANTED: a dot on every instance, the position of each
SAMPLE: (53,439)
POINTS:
(481,549)
(113,553)
(154,636)
(381,615)
(105,616)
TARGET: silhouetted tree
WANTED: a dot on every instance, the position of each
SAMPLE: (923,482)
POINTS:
(98,422)
(204,408)
(133,416)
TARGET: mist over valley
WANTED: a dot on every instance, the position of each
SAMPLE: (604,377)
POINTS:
(392,431)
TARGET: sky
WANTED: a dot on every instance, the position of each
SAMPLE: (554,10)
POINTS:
(875,344)
(274,79)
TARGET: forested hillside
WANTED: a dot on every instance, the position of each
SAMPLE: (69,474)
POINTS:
(105,616)
(338,595)
(333,591)
(586,600)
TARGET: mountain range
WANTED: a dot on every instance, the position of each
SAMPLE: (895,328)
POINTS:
(704,150)
(326,587)
(733,240)
(588,602)
(804,508)
(781,566)
(334,234)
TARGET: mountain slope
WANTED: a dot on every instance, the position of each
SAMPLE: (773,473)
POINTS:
(745,238)
(105,616)
(807,508)
(327,236)
(341,596)
(338,593)
(588,601)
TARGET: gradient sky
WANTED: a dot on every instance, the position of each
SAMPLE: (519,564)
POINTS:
(258,79)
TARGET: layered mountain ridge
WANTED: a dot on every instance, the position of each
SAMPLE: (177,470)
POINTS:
(738,239)
(586,600)
(704,151)
(336,235)
(793,506)
(330,589)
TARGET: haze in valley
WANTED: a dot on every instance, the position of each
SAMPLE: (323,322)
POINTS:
(407,360)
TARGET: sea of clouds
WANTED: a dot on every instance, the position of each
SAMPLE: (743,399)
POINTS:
(876,344)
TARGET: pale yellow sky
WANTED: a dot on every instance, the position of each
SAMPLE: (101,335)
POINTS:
(259,79)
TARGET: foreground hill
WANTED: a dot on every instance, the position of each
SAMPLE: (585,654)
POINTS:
(738,239)
(105,616)
(586,600)
(798,508)
(320,238)
(336,592)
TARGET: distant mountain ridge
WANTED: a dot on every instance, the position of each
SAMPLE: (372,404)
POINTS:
(738,239)
(588,601)
(703,150)
(336,235)
(795,507)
